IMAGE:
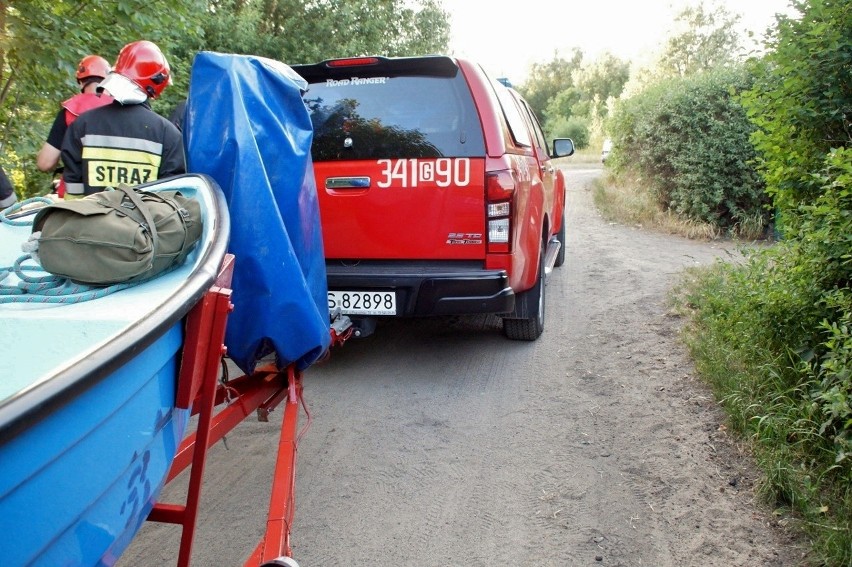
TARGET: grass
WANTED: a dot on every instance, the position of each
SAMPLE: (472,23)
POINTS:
(586,156)
(626,202)
(767,392)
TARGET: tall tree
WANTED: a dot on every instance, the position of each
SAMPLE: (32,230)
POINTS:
(304,31)
(597,82)
(604,77)
(546,80)
(579,110)
(707,39)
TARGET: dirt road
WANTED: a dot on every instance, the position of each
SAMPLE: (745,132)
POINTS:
(439,442)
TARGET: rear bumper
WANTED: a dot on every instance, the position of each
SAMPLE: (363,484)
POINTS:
(428,288)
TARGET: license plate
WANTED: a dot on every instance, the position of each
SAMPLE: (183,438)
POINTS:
(363,302)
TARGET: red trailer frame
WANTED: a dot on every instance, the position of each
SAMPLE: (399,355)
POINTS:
(199,388)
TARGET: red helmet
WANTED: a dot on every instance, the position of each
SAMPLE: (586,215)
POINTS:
(143,63)
(92,66)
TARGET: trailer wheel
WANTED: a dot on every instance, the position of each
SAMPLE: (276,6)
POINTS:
(281,562)
(528,323)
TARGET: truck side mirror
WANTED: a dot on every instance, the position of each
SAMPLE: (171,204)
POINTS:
(563,147)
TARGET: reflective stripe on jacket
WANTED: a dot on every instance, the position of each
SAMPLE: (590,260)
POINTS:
(117,144)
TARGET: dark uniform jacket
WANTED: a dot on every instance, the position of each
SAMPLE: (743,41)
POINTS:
(7,192)
(118,144)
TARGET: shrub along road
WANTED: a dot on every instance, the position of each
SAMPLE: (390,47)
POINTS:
(439,442)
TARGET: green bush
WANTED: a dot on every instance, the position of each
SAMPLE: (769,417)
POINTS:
(802,101)
(689,139)
(824,251)
(801,105)
(572,127)
(774,337)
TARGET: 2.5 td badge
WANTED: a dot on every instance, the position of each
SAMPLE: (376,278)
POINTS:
(464,238)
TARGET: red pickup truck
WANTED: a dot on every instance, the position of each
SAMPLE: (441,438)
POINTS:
(436,190)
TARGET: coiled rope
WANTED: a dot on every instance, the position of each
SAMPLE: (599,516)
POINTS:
(6,214)
(35,284)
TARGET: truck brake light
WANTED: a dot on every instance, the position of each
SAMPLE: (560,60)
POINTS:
(353,62)
(499,191)
(499,186)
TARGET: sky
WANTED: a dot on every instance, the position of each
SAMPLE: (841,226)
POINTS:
(506,36)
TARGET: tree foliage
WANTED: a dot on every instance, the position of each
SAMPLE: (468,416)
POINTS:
(304,31)
(42,43)
(43,40)
(602,79)
(802,102)
(571,97)
(547,80)
(708,39)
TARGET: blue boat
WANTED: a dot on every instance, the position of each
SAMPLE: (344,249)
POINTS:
(88,421)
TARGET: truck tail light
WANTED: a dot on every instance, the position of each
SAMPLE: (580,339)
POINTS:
(499,192)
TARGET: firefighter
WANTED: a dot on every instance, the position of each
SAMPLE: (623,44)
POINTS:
(91,71)
(125,142)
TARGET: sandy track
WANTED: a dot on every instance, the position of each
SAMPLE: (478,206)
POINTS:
(439,442)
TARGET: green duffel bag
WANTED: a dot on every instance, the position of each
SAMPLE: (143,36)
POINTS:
(117,236)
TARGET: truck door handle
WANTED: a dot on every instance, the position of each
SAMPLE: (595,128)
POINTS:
(347,183)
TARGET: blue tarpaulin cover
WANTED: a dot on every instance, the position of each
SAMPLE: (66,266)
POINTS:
(247,127)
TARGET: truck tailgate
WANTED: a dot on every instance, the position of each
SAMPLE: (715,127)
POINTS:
(415,208)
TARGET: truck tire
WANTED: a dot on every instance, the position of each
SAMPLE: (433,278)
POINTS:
(560,236)
(530,304)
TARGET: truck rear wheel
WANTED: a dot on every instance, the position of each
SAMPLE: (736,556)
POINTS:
(530,306)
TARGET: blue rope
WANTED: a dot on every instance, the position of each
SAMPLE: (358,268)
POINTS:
(49,288)
(17,207)
(35,284)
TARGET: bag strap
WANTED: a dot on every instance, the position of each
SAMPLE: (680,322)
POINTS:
(182,214)
(146,214)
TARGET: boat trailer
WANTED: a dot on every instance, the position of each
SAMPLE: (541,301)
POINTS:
(201,389)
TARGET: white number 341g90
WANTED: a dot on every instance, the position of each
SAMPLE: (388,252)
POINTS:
(442,172)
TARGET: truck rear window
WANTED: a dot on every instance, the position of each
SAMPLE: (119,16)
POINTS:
(393,117)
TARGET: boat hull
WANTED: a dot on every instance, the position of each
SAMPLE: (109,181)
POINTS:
(77,486)
(89,424)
